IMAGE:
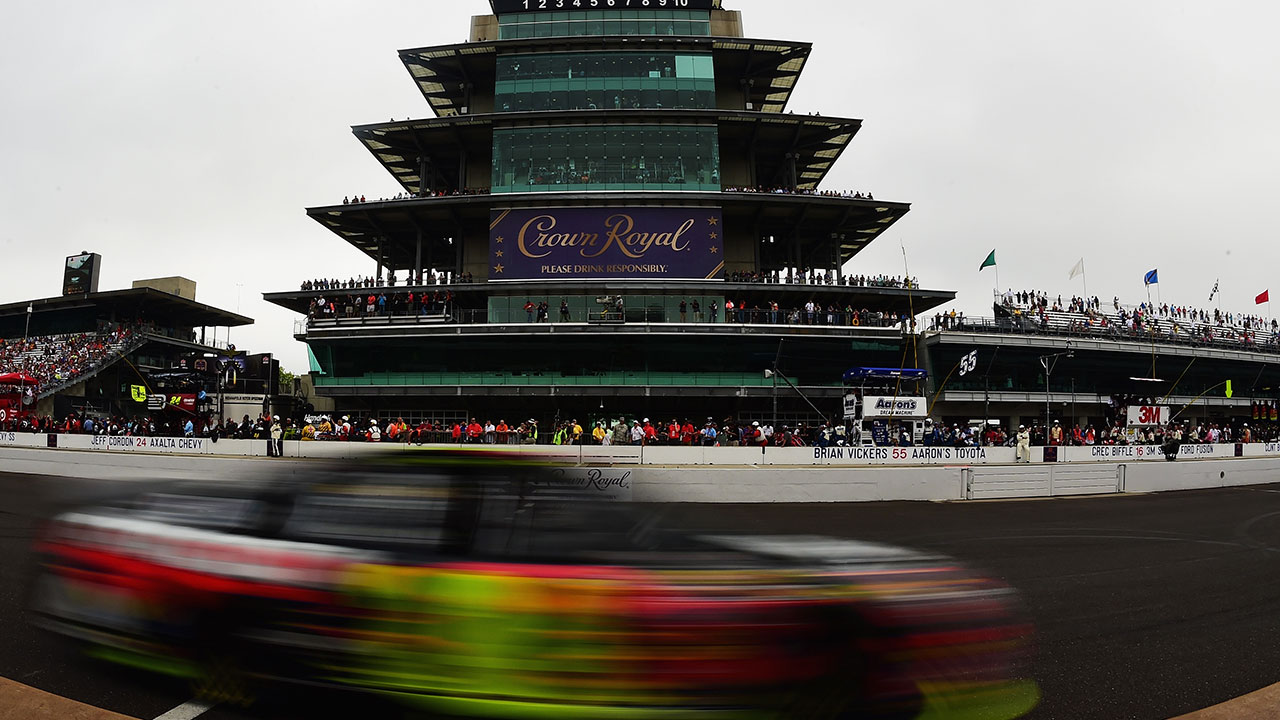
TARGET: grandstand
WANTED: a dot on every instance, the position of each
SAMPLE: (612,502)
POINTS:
(1162,324)
(87,353)
(1101,353)
(57,362)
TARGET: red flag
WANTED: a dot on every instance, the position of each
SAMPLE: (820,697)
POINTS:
(1264,297)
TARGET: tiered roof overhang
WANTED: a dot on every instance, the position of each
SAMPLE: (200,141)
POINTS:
(448,74)
(814,224)
(816,141)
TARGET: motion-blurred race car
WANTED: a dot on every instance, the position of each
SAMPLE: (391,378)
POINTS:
(491,590)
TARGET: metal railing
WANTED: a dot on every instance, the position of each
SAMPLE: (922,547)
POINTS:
(533,378)
(1165,333)
(875,320)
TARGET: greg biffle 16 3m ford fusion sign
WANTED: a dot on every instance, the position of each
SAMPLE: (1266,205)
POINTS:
(558,243)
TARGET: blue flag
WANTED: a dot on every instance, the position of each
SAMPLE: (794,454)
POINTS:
(1151,278)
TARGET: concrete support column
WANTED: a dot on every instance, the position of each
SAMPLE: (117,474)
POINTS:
(417,261)
(426,175)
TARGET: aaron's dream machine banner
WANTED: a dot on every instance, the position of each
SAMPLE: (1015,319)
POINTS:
(605,243)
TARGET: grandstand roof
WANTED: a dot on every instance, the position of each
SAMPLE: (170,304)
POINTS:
(766,137)
(772,67)
(150,304)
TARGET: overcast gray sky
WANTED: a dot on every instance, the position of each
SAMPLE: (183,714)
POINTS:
(180,138)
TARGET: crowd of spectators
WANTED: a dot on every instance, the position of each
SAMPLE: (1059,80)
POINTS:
(763,190)
(359,199)
(57,359)
(1111,432)
(634,432)
(380,304)
(807,276)
(811,313)
(1161,318)
(605,432)
(1036,311)
(810,276)
(441,304)
(421,279)
(796,191)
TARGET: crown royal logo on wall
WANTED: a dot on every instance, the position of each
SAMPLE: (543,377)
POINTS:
(545,243)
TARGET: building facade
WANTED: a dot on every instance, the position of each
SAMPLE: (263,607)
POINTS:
(612,212)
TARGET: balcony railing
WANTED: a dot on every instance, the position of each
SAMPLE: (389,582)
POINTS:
(834,321)
(1166,334)
(600,379)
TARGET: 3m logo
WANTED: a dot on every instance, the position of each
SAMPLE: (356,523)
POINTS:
(1149,415)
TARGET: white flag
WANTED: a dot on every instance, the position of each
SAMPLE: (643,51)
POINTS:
(1077,270)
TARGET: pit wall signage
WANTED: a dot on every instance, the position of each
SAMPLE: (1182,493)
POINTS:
(1149,415)
(606,243)
(888,406)
(607,471)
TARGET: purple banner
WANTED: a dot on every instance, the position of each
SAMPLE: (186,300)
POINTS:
(637,242)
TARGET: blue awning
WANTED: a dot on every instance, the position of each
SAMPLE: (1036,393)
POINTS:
(871,373)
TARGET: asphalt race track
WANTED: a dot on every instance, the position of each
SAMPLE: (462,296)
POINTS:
(1147,607)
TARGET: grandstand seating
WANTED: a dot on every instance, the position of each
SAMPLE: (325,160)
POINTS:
(1109,323)
(60,361)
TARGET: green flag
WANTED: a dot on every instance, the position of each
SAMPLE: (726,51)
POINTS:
(989,262)
(1230,392)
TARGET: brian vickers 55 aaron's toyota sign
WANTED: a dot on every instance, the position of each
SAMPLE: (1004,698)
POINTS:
(604,243)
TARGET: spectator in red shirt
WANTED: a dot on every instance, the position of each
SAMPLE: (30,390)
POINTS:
(650,433)
(687,433)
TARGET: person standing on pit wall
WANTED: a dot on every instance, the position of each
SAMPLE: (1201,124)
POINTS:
(275,445)
(1024,444)
(1055,433)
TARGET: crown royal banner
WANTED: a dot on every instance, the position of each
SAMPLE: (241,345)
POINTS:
(636,242)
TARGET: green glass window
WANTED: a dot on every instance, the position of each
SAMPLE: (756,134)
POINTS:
(604,81)
(578,23)
(616,157)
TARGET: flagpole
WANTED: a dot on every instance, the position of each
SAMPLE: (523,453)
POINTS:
(1084,278)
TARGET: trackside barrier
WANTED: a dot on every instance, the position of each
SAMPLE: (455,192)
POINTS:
(1046,480)
(693,474)
(653,455)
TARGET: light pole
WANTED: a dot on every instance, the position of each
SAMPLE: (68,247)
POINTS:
(773,374)
(986,396)
(22,379)
(1048,362)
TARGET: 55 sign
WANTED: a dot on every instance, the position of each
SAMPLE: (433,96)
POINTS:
(968,363)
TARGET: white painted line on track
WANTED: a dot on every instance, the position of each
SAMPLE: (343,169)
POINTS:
(188,710)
